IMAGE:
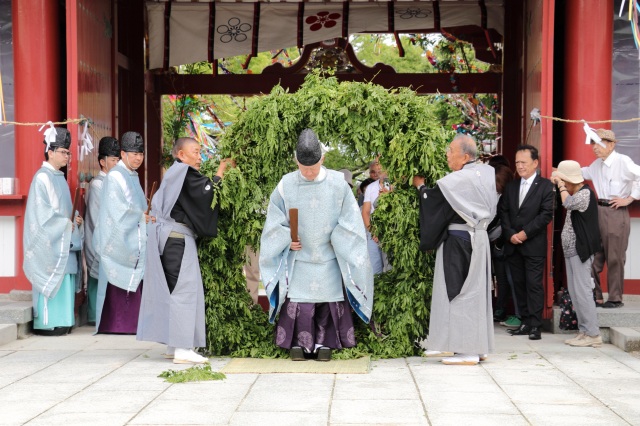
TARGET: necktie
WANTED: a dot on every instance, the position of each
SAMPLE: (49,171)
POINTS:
(523,191)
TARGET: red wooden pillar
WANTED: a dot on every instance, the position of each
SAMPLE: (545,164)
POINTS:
(37,65)
(588,67)
(588,73)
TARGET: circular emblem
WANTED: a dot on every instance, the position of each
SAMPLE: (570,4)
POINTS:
(208,187)
(281,335)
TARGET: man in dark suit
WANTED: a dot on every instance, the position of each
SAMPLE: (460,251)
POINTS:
(526,211)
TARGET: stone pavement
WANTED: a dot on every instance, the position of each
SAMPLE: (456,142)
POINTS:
(82,379)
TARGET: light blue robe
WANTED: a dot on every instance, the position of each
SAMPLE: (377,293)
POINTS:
(334,245)
(120,236)
(51,249)
(93,261)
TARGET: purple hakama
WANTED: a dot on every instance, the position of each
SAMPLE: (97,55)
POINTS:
(308,324)
(120,311)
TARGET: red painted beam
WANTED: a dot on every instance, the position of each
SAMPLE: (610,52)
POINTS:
(253,84)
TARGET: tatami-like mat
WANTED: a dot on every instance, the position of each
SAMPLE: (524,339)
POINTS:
(265,366)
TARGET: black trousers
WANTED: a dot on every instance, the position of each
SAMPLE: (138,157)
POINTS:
(457,259)
(171,260)
(526,272)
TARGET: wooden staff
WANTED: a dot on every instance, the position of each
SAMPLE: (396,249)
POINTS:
(152,193)
(293,223)
(76,200)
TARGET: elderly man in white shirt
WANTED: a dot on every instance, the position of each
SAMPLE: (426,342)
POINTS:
(616,179)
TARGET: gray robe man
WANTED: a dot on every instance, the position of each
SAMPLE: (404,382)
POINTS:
(172,308)
(454,217)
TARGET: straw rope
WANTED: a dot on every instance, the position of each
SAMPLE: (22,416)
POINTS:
(68,121)
(566,120)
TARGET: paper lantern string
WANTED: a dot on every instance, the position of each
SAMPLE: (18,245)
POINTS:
(49,134)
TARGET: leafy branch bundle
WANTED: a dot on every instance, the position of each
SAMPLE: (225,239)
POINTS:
(369,120)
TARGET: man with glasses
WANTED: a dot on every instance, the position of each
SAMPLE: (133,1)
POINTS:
(52,241)
(120,240)
(108,156)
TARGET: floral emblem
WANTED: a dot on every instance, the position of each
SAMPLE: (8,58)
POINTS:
(320,334)
(305,339)
(322,19)
(360,260)
(29,254)
(351,336)
(293,310)
(314,286)
(280,336)
(314,203)
(413,12)
(233,31)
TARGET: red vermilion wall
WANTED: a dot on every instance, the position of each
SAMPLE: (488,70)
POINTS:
(36,49)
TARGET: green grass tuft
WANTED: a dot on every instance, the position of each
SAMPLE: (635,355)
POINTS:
(197,373)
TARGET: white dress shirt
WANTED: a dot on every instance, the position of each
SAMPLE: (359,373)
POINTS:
(524,189)
(617,176)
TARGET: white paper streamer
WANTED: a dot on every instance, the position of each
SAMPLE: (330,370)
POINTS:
(535,115)
(591,135)
(86,140)
(49,134)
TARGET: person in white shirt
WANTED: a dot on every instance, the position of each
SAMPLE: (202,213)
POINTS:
(379,261)
(616,179)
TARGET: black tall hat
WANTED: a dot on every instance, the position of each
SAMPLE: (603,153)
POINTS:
(132,142)
(109,147)
(63,139)
(308,151)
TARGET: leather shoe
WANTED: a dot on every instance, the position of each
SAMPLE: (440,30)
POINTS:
(523,330)
(610,304)
(534,334)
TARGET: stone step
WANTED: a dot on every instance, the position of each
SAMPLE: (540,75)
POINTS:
(627,316)
(13,312)
(626,338)
(8,333)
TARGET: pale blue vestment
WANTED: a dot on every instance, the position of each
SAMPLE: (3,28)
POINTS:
(120,236)
(51,249)
(90,220)
(334,245)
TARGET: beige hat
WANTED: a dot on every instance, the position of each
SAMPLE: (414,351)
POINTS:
(569,171)
(347,176)
(606,135)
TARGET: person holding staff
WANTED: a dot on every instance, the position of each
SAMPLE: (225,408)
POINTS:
(311,280)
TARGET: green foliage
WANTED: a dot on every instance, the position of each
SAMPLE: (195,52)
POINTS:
(197,373)
(365,120)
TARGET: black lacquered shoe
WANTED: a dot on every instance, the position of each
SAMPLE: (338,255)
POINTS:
(297,354)
(324,354)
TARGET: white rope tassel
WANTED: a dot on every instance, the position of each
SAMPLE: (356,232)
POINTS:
(86,140)
(49,134)
(45,320)
(591,135)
